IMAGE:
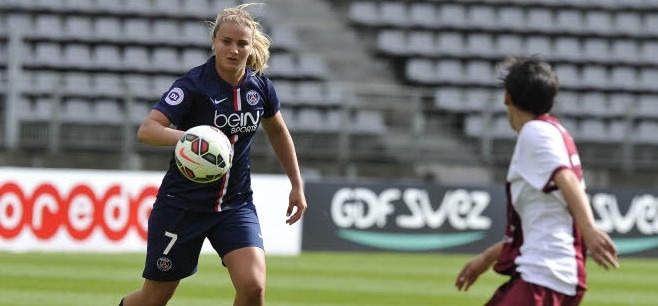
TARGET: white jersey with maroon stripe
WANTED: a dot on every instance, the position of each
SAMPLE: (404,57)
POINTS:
(551,252)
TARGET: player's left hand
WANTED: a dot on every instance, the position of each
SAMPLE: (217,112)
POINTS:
(602,248)
(296,205)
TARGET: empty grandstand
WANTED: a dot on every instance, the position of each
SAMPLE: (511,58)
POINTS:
(389,89)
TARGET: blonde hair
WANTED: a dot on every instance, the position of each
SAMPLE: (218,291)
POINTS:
(260,55)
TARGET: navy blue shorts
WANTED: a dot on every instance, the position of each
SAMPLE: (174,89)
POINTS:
(175,238)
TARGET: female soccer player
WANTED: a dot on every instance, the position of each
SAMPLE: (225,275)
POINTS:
(549,220)
(229,92)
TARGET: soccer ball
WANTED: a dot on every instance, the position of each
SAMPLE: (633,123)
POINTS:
(204,154)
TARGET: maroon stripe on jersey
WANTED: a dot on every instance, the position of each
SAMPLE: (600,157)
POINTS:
(512,240)
(550,186)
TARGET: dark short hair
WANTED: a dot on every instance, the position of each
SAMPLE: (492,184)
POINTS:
(530,82)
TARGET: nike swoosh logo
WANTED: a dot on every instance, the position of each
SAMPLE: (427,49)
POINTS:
(217,101)
(181,152)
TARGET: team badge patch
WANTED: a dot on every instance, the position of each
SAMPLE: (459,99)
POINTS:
(252,97)
(164,264)
(175,96)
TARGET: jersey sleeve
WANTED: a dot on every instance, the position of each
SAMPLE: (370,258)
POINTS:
(272,103)
(176,102)
(542,153)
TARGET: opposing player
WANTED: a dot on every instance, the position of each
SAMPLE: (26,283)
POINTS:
(550,224)
(229,92)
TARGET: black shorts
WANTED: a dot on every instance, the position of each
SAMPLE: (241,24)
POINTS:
(175,238)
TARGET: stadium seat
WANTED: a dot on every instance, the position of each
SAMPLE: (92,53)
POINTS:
(107,111)
(47,54)
(393,13)
(473,125)
(107,28)
(140,87)
(511,18)
(196,33)
(283,65)
(109,6)
(594,104)
(136,57)
(79,27)
(310,93)
(567,48)
(136,29)
(43,109)
(449,98)
(450,43)
(482,17)
(364,13)
(286,91)
(568,103)
(139,111)
(648,78)
(479,72)
(312,65)
(422,43)
(477,100)
(193,57)
(624,77)
(284,38)
(647,132)
(78,55)
(165,30)
(77,83)
(568,21)
(49,26)
(540,19)
(77,110)
(369,121)
(649,51)
(628,23)
(625,51)
(334,120)
(310,120)
(538,45)
(647,106)
(166,7)
(107,56)
(45,82)
(599,22)
(423,14)
(592,130)
(596,49)
(620,104)
(568,75)
(83,6)
(452,15)
(595,77)
(450,71)
(137,6)
(617,131)
(421,70)
(392,42)
(480,44)
(650,23)
(107,85)
(167,59)
(507,44)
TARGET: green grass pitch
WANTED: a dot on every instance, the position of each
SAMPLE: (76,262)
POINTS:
(317,279)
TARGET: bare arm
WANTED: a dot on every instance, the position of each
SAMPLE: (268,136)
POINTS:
(598,242)
(284,148)
(155,130)
(478,265)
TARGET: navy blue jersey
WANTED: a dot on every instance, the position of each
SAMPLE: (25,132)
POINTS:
(201,97)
